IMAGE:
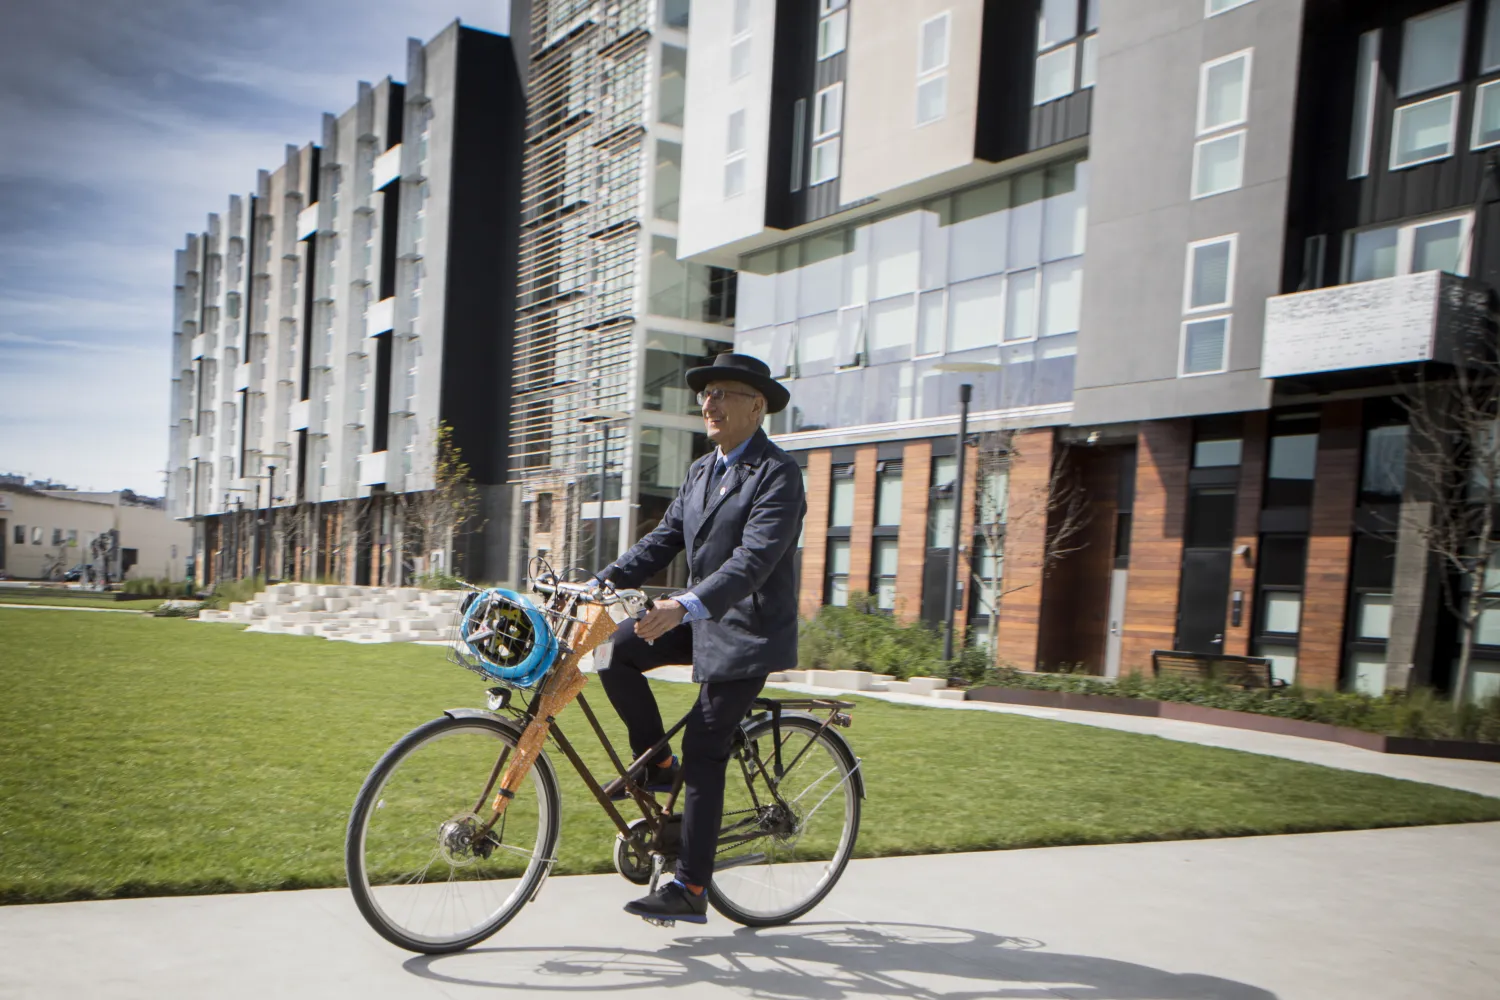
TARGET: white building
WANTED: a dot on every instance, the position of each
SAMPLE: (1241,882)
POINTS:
(46,533)
(608,318)
(330,320)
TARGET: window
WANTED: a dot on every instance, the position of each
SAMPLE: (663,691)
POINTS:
(1208,287)
(841,508)
(932,69)
(1218,454)
(1489,59)
(1223,103)
(838,572)
(1088,72)
(1366,79)
(1373,618)
(672,89)
(57,536)
(886,558)
(741,17)
(825,162)
(1219,165)
(1487,116)
(888,494)
(1385,461)
(1224,93)
(739,59)
(734,151)
(1432,50)
(668,187)
(1054,74)
(1281,612)
(1057,54)
(1210,274)
(940,505)
(1205,346)
(1220,6)
(36,536)
(1294,456)
(674,13)
(828,111)
(833,34)
(19,537)
(1424,131)
(1431,245)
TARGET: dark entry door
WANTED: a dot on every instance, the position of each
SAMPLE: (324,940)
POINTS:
(1206,560)
(1205,596)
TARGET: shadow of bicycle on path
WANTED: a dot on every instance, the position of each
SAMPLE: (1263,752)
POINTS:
(832,961)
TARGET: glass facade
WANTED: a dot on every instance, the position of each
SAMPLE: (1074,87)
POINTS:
(860,318)
(669,356)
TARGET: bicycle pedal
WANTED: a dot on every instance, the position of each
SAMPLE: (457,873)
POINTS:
(658,922)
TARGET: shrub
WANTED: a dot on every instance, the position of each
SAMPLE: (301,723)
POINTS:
(229,592)
(862,637)
(162,586)
(437,581)
(1421,713)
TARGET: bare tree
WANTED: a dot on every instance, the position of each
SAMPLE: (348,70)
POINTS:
(430,518)
(1057,506)
(1453,473)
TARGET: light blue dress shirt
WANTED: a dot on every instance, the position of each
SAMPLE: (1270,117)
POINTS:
(689,600)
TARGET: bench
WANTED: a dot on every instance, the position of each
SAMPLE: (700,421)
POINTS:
(1238,671)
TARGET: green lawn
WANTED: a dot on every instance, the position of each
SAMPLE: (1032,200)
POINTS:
(154,756)
(74,599)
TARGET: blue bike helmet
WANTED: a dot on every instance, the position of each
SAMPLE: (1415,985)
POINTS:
(506,638)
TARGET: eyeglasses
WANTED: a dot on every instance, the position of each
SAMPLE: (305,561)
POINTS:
(717,395)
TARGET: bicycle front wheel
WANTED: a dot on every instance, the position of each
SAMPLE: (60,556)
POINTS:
(424,870)
(782,849)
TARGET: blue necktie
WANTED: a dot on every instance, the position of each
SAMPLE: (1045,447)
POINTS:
(720,467)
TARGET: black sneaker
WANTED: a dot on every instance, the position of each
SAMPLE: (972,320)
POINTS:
(669,904)
(656,779)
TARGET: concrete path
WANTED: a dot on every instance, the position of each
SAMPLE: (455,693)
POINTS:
(1482,777)
(1364,916)
(69,607)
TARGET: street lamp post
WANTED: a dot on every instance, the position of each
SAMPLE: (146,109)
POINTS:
(965,393)
(602,419)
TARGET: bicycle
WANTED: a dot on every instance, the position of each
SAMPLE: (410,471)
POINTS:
(456,827)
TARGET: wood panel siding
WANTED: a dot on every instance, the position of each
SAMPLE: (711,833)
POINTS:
(1018,631)
(1246,533)
(861,540)
(1163,454)
(916,477)
(1075,593)
(1326,592)
(815,533)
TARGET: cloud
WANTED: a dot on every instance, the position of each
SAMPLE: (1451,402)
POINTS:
(125,132)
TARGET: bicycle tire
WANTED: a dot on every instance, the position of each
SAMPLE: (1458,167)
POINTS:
(730,889)
(437,807)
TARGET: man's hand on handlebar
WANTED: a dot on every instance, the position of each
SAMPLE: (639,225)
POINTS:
(663,617)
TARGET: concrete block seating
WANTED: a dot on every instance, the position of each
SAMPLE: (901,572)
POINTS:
(349,614)
(860,680)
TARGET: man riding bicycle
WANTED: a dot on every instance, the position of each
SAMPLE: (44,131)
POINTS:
(737,517)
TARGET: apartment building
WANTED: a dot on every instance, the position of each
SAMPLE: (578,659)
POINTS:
(608,316)
(1183,251)
(331,319)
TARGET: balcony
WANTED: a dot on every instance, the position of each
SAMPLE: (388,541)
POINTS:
(199,345)
(382,317)
(1408,319)
(299,415)
(372,468)
(307,221)
(387,167)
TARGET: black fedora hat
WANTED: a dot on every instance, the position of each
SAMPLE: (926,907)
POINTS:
(742,368)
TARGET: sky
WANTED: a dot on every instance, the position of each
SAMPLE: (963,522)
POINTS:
(124,123)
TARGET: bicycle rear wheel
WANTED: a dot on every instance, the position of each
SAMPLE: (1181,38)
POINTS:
(423,871)
(781,852)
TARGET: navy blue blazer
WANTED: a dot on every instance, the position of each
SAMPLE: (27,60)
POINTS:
(741,543)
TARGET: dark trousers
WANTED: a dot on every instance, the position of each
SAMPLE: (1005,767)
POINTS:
(707,740)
